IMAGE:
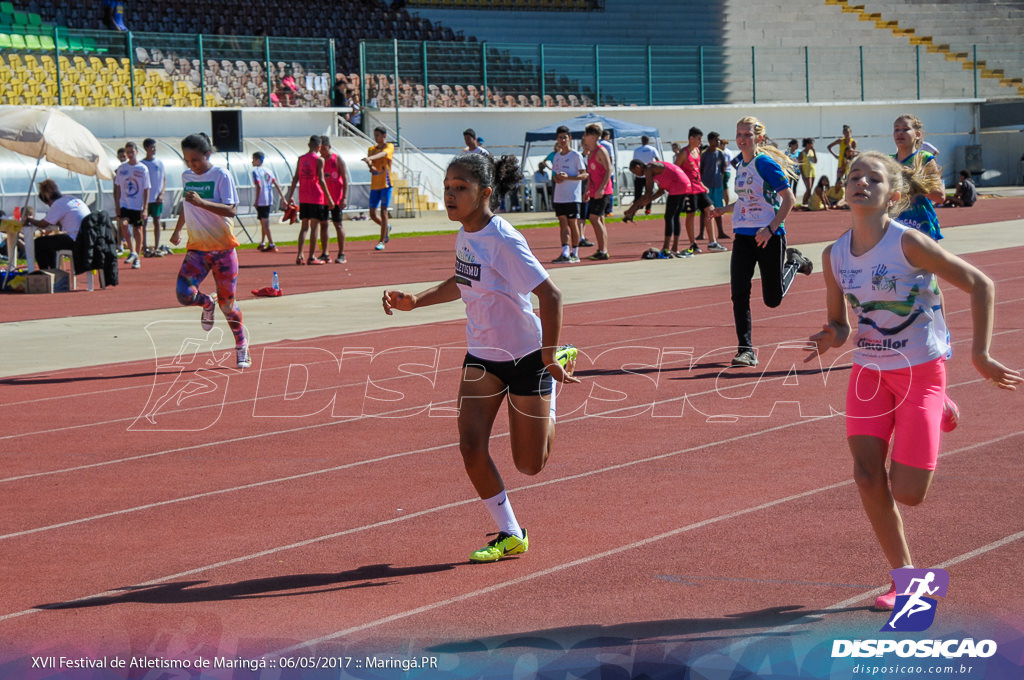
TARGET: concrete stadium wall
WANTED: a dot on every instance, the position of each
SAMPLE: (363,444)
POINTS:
(949,125)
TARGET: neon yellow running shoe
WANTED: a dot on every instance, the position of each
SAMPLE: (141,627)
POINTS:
(565,355)
(502,546)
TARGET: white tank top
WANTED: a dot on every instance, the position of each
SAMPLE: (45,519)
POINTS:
(896,305)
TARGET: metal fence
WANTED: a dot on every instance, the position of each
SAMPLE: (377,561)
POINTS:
(488,74)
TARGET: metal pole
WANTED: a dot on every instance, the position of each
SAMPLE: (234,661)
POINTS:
(426,83)
(266,60)
(700,75)
(330,85)
(975,50)
(483,68)
(131,63)
(861,48)
(202,70)
(56,57)
(362,83)
(398,124)
(650,77)
(543,78)
(917,57)
(753,73)
(807,74)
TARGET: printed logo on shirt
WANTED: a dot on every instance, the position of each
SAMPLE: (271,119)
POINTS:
(466,272)
(848,278)
(880,279)
(204,189)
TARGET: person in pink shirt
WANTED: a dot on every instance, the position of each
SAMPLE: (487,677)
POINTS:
(697,199)
(314,199)
(672,181)
(599,186)
(337,179)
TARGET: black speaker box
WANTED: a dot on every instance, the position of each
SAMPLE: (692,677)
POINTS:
(227,130)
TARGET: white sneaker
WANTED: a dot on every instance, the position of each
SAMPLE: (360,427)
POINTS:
(136,264)
(206,320)
(242,354)
(132,258)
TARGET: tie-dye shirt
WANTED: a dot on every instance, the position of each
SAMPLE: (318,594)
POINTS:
(206,230)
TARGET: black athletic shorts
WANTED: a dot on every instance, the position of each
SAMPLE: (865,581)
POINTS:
(696,203)
(524,377)
(132,217)
(336,214)
(599,206)
(313,211)
(263,212)
(570,210)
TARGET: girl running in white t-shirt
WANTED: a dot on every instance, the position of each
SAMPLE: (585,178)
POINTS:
(887,273)
(208,210)
(510,348)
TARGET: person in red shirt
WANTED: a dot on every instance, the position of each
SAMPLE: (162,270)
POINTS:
(337,178)
(314,199)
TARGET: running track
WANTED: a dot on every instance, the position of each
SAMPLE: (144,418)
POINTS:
(689,516)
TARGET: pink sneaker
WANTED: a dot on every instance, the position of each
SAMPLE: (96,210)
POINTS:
(950,416)
(885,603)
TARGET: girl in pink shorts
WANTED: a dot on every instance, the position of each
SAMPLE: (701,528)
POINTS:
(886,272)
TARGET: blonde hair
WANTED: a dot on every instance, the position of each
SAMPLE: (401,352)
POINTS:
(785,162)
(916,179)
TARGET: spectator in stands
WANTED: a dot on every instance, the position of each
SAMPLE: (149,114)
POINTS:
(378,159)
(338,182)
(113,15)
(355,116)
(339,93)
(131,202)
(808,159)
(158,180)
(314,199)
(966,193)
(472,143)
(645,153)
(845,142)
(288,90)
(66,213)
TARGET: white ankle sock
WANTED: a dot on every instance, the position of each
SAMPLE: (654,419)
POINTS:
(501,511)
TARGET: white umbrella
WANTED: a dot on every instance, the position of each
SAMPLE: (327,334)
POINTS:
(40,132)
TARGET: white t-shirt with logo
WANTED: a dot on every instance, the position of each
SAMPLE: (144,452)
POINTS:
(572,164)
(68,212)
(208,231)
(496,271)
(133,180)
(266,181)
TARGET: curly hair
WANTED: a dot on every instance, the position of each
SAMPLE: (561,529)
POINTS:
(502,174)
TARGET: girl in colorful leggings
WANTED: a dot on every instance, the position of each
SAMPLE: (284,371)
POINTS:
(208,209)
(887,272)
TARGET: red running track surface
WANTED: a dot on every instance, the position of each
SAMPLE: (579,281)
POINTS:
(179,510)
